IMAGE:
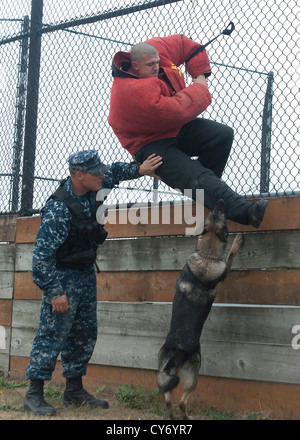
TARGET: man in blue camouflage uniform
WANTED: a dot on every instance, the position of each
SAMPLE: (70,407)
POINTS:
(68,321)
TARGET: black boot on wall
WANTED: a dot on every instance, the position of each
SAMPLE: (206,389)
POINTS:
(256,212)
(34,399)
(76,395)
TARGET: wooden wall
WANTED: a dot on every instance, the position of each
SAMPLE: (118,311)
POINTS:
(248,358)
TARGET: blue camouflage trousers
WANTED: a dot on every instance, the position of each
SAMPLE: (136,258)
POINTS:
(72,334)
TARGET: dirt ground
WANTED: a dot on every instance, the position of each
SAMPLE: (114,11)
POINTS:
(127,405)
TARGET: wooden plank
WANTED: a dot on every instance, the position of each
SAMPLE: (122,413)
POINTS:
(24,286)
(8,228)
(270,250)
(149,320)
(255,362)
(21,341)
(6,284)
(24,257)
(244,342)
(136,286)
(4,364)
(283,214)
(26,314)
(5,311)
(279,287)
(222,359)
(116,255)
(127,351)
(179,219)
(226,322)
(27,228)
(7,257)
(4,339)
(253,324)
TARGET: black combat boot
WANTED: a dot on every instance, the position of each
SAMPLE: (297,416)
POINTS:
(256,212)
(75,394)
(34,399)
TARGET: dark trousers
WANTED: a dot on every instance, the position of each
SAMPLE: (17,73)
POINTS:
(73,334)
(210,142)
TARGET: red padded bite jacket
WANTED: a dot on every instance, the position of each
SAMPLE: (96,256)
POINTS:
(143,110)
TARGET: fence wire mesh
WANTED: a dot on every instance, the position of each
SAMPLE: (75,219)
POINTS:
(254,86)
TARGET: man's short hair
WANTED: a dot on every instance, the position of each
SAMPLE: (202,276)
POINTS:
(140,50)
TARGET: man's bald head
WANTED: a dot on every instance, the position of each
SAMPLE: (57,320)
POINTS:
(144,61)
(142,50)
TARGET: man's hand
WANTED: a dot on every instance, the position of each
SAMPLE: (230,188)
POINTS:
(60,304)
(148,167)
(200,79)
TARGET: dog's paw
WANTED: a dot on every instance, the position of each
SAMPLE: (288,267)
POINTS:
(238,241)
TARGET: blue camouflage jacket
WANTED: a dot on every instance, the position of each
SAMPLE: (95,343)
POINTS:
(56,225)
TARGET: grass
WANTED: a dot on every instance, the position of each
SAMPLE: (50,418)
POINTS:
(52,393)
(11,384)
(126,402)
(135,397)
(214,414)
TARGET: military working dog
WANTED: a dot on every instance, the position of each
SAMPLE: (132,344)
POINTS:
(196,288)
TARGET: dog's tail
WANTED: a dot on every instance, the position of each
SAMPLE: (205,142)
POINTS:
(167,379)
(166,382)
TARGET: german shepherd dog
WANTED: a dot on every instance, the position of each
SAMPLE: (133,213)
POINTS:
(196,289)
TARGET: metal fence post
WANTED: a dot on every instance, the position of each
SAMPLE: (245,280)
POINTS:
(266,137)
(20,113)
(31,106)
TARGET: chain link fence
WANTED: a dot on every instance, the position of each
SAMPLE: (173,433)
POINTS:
(55,81)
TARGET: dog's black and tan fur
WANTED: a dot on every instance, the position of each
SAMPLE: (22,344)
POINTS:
(196,288)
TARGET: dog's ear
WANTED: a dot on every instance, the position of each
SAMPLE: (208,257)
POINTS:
(220,206)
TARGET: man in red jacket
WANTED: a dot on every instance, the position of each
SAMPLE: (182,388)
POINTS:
(153,111)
